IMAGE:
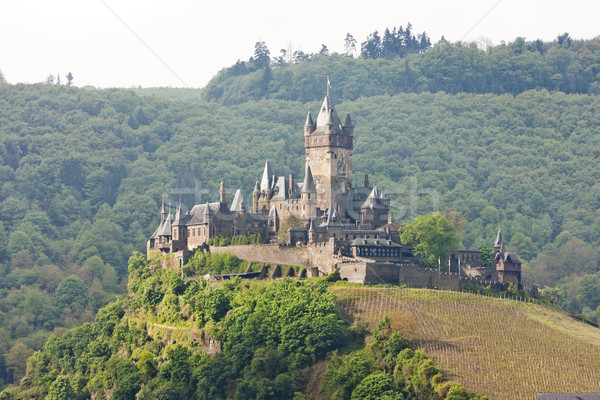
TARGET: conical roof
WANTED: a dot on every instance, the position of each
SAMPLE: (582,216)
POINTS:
(206,209)
(265,182)
(328,115)
(348,122)
(332,218)
(178,219)
(256,188)
(165,228)
(309,184)
(309,120)
(499,240)
(238,202)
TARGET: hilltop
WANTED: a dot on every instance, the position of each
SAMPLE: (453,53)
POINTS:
(301,339)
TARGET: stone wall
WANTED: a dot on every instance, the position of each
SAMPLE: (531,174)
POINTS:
(319,255)
(395,274)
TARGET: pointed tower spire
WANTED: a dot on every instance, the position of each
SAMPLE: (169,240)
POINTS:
(309,125)
(499,245)
(178,220)
(309,120)
(348,127)
(309,184)
(163,212)
(256,188)
(348,122)
(206,213)
(265,182)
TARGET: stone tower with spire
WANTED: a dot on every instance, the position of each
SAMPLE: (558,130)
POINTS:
(328,146)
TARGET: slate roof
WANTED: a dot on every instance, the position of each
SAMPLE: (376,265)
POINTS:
(237,204)
(374,242)
(165,228)
(328,115)
(308,186)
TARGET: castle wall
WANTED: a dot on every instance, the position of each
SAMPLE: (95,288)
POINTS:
(397,274)
(319,255)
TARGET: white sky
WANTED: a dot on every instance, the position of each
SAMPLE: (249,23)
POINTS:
(195,39)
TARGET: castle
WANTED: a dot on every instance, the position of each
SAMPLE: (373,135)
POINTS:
(340,226)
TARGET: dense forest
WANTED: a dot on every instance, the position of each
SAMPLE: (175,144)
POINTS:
(398,62)
(82,170)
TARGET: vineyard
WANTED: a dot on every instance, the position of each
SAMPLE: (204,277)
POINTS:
(504,349)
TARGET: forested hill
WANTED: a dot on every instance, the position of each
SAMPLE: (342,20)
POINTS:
(82,172)
(570,66)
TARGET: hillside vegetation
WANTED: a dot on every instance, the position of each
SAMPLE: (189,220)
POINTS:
(566,65)
(309,339)
(265,337)
(82,170)
(504,349)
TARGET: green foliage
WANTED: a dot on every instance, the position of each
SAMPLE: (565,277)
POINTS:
(377,386)
(61,390)
(72,290)
(217,263)
(486,255)
(387,369)
(433,238)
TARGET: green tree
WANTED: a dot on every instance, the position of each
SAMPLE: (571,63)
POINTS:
(16,360)
(72,290)
(486,255)
(433,237)
(377,386)
(262,55)
(61,389)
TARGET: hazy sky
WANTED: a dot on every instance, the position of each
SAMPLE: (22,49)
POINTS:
(109,43)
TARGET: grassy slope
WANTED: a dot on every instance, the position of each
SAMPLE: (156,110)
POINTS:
(500,348)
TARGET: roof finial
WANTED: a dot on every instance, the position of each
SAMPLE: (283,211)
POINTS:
(328,85)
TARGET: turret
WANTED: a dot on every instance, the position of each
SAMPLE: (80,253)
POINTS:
(499,245)
(266,182)
(309,125)
(348,126)
(312,232)
(329,122)
(178,231)
(308,195)
(163,212)
(206,214)
(255,197)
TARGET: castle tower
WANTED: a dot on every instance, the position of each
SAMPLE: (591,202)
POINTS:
(266,188)
(499,245)
(308,195)
(206,217)
(178,231)
(255,197)
(328,147)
